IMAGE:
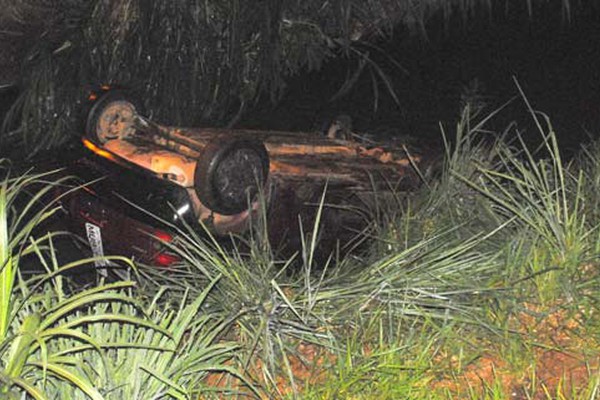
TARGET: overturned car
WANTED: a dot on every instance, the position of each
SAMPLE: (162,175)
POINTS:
(148,176)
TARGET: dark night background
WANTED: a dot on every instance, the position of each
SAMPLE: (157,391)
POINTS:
(554,59)
(553,55)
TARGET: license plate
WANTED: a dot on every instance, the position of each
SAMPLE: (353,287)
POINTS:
(94,237)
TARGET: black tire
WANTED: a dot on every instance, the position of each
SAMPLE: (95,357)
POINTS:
(104,100)
(230,173)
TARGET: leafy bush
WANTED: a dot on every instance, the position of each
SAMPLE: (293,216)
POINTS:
(97,343)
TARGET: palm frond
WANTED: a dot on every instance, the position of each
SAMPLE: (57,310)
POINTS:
(195,61)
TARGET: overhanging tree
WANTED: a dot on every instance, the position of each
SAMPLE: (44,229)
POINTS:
(194,61)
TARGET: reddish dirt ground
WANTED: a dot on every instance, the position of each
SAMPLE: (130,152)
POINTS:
(308,365)
(562,360)
(555,358)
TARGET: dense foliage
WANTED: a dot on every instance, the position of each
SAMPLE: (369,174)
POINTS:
(192,61)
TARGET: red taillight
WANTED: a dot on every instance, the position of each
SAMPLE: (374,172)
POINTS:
(165,260)
(163,236)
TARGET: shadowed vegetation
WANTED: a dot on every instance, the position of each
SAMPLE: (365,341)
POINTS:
(483,284)
(193,62)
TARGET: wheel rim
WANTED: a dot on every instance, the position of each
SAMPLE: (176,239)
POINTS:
(230,174)
(116,121)
(237,178)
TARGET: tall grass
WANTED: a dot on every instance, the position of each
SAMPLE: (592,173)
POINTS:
(102,342)
(170,356)
(502,219)
(446,270)
(371,366)
(547,201)
(276,304)
(501,226)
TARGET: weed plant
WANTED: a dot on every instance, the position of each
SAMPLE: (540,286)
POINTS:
(97,343)
(504,233)
(532,222)
(274,304)
(501,230)
(546,198)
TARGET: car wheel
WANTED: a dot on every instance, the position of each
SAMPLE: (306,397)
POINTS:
(230,174)
(111,117)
